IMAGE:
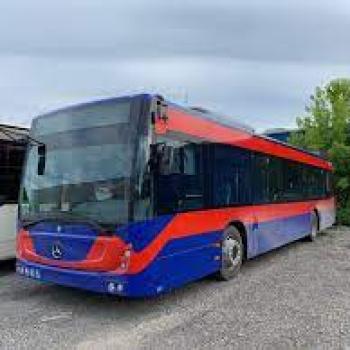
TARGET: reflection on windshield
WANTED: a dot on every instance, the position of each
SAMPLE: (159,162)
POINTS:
(87,171)
(73,166)
(92,115)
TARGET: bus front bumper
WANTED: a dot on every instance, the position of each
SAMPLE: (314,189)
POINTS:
(99,282)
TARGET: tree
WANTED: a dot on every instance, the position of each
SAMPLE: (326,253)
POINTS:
(326,127)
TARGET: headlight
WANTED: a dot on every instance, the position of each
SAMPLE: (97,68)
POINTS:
(114,288)
(111,287)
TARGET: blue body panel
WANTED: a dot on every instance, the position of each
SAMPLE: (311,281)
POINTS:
(77,239)
(274,234)
(180,261)
(140,234)
(166,272)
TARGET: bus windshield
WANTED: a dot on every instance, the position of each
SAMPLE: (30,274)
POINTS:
(88,165)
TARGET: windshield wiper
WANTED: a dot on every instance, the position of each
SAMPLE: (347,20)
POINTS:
(69,217)
(31,222)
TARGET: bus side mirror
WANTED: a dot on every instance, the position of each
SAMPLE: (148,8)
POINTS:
(41,159)
(159,110)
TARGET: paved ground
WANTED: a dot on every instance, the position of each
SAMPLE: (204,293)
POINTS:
(294,297)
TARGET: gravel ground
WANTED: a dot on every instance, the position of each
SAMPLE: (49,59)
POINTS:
(297,297)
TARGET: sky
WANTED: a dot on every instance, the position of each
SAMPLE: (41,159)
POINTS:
(257,61)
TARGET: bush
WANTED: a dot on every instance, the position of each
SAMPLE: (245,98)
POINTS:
(326,128)
(343,215)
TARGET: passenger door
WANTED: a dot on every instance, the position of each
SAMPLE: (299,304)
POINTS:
(267,194)
(231,186)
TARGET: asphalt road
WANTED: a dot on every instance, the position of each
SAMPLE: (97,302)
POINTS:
(295,297)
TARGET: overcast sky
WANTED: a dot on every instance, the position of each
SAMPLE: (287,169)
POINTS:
(256,60)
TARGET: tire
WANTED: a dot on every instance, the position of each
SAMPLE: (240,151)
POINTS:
(314,227)
(232,251)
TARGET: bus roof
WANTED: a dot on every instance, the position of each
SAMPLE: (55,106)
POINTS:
(261,143)
(234,123)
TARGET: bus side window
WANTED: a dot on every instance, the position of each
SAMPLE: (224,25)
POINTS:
(276,188)
(178,183)
(260,174)
(231,176)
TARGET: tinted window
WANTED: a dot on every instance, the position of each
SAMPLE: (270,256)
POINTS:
(276,180)
(260,174)
(315,182)
(280,180)
(293,186)
(231,176)
(179,180)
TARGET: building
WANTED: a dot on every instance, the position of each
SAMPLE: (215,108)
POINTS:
(280,134)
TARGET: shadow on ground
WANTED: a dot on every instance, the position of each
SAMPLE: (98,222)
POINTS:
(7,267)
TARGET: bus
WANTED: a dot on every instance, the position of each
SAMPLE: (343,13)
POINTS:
(12,150)
(135,196)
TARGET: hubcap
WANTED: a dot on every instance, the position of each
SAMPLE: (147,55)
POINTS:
(232,253)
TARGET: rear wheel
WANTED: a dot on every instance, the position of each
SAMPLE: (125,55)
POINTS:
(231,254)
(314,227)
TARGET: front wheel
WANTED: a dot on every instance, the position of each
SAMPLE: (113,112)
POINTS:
(231,254)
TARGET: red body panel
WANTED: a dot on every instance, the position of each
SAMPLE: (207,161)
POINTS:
(189,124)
(105,254)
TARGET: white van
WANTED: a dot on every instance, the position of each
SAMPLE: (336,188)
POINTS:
(12,150)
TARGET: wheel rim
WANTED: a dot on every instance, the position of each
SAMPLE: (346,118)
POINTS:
(232,253)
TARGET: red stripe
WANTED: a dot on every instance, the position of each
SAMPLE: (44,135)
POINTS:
(181,122)
(198,222)
(183,225)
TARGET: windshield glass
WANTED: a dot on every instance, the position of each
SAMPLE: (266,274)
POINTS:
(88,164)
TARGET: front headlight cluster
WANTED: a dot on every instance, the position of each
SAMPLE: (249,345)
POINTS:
(28,271)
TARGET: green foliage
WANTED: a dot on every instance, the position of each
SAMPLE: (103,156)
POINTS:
(343,215)
(326,127)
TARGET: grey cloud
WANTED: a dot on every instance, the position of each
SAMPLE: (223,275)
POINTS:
(254,30)
(257,60)
(263,94)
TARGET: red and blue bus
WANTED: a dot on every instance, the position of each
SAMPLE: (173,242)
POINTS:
(135,196)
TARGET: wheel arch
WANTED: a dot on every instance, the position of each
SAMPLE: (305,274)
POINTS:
(243,232)
(318,216)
